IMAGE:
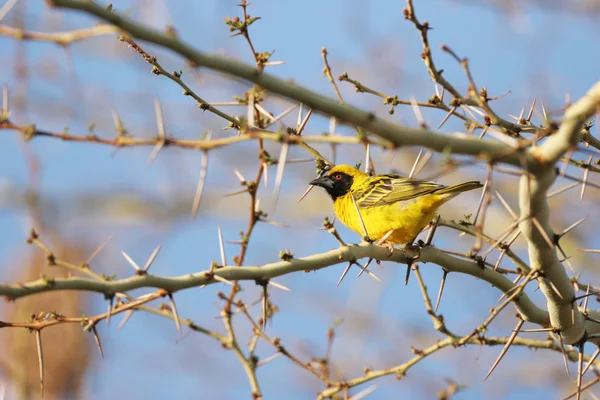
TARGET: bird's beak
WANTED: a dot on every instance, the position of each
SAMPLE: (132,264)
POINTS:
(324,181)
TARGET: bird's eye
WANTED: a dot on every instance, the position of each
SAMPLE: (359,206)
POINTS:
(338,177)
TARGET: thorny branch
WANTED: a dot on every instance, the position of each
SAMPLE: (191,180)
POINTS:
(572,324)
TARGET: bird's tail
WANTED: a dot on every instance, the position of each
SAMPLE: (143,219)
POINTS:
(461,187)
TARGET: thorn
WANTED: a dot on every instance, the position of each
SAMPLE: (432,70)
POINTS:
(565,163)
(517,279)
(468,110)
(160,122)
(503,252)
(300,111)
(363,393)
(236,193)
(564,353)
(563,189)
(279,286)
(343,274)
(566,258)
(3,11)
(573,226)
(268,359)
(279,177)
(483,132)
(283,114)
(301,160)
(506,206)
(424,160)
(586,173)
(152,258)
(38,336)
(429,237)
(98,343)
(439,296)
(446,117)
(266,175)
(384,237)
(536,330)
(240,176)
(591,361)
(265,304)
(589,250)
(303,123)
(223,280)
(580,368)
(542,232)
(587,297)
(332,125)
(544,113)
(481,198)
(555,289)
(365,268)
(587,317)
(5,114)
(372,275)
(584,387)
(250,116)
(264,112)
(175,314)
(508,231)
(510,341)
(368,169)
(362,223)
(109,311)
(200,185)
(221,246)
(531,110)
(583,296)
(98,249)
(126,317)
(414,167)
(118,123)
(521,114)
(418,113)
(275,223)
(306,192)
(408,268)
(133,263)
(478,111)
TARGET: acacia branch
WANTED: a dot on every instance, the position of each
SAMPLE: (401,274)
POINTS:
(401,369)
(265,272)
(396,134)
(554,282)
(60,38)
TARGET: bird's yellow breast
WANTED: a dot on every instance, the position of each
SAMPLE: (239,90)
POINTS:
(406,218)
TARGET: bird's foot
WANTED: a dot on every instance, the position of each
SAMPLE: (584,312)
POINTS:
(387,245)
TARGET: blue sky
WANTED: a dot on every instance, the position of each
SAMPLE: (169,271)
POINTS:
(534,54)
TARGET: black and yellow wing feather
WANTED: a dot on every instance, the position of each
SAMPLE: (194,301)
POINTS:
(388,189)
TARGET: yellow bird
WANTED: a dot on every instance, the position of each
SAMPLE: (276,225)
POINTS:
(391,206)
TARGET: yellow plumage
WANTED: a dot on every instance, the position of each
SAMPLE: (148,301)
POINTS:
(386,202)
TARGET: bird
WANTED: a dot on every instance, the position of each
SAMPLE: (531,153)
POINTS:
(394,209)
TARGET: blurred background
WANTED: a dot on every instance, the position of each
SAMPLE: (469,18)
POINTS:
(77,194)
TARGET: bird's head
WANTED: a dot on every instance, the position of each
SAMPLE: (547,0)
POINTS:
(338,181)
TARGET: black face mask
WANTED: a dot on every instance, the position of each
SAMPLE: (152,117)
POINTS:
(336,184)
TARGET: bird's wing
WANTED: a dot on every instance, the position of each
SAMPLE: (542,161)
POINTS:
(388,189)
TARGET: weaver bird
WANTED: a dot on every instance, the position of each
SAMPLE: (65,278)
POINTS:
(392,207)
